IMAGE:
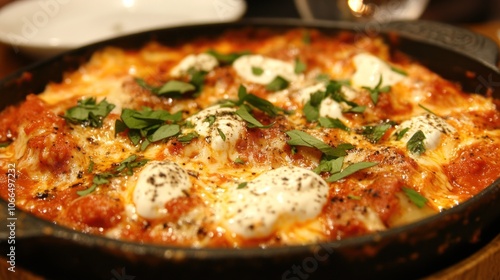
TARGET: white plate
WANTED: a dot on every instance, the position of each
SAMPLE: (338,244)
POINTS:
(41,28)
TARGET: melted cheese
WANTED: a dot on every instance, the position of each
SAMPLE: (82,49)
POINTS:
(279,197)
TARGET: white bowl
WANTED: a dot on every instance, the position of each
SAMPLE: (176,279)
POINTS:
(46,27)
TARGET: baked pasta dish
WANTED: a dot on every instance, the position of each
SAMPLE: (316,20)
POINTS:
(253,138)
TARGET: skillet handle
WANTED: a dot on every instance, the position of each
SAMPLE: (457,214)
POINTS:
(449,37)
(19,224)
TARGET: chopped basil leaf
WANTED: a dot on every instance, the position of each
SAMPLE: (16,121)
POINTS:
(226,58)
(5,144)
(310,112)
(300,138)
(331,166)
(415,197)
(357,109)
(164,131)
(332,123)
(188,137)
(311,108)
(416,143)
(239,161)
(399,71)
(148,125)
(354,197)
(242,185)
(375,133)
(197,79)
(120,127)
(87,191)
(401,133)
(210,120)
(125,167)
(91,166)
(279,83)
(323,77)
(426,109)
(262,104)
(353,168)
(300,66)
(175,88)
(88,113)
(247,117)
(257,71)
(222,135)
(375,92)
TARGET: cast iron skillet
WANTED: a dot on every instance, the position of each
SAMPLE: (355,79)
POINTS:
(407,252)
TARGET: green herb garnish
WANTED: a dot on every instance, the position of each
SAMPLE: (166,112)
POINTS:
(279,83)
(125,167)
(416,143)
(353,168)
(300,66)
(375,92)
(415,197)
(300,138)
(375,133)
(88,113)
(221,133)
(188,137)
(257,71)
(354,197)
(148,125)
(426,109)
(400,134)
(242,185)
(210,120)
(5,144)
(327,122)
(239,161)
(226,58)
(399,71)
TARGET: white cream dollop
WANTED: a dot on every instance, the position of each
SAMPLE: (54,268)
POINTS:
(431,125)
(271,68)
(282,196)
(369,70)
(225,122)
(158,183)
(198,62)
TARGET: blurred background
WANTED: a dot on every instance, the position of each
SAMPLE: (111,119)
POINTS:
(450,11)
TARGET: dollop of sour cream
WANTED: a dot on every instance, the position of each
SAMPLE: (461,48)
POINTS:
(158,183)
(370,69)
(198,62)
(278,197)
(271,68)
(431,125)
(224,131)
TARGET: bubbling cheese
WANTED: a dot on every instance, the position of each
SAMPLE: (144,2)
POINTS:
(158,183)
(271,68)
(282,196)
